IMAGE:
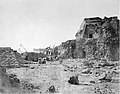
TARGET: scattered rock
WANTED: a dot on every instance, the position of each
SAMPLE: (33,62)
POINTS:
(10,58)
(27,86)
(52,89)
(74,80)
(14,80)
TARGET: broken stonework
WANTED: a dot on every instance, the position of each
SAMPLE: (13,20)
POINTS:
(10,58)
(98,38)
(67,49)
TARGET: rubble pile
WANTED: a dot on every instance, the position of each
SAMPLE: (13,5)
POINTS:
(27,86)
(101,70)
(15,82)
(102,75)
(10,57)
(70,74)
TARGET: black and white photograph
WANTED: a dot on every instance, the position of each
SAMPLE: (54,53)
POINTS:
(59,47)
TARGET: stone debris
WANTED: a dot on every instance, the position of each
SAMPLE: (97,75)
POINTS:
(52,89)
(77,73)
(14,80)
(74,80)
(27,86)
(10,58)
(89,64)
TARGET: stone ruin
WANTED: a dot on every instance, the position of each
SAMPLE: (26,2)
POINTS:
(98,38)
(67,49)
(10,57)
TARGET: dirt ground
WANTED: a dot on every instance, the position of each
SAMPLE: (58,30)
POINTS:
(57,74)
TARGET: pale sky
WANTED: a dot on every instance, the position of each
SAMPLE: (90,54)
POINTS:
(41,23)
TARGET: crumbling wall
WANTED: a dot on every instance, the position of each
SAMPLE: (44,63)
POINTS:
(110,29)
(7,57)
(67,49)
(97,38)
(10,57)
(80,51)
(101,39)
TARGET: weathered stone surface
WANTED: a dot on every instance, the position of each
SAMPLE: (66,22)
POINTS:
(10,57)
(68,49)
(101,38)
(97,38)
